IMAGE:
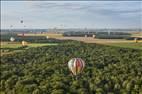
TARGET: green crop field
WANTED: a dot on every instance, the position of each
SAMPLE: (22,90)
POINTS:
(44,70)
(127,45)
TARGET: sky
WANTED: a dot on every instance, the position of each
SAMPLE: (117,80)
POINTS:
(71,14)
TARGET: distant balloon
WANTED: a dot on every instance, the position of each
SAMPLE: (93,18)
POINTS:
(11,25)
(24,43)
(47,37)
(23,34)
(21,21)
(76,65)
(12,39)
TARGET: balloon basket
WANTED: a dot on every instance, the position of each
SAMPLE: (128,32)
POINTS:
(76,77)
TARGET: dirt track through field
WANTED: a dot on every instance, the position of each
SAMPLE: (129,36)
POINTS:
(100,41)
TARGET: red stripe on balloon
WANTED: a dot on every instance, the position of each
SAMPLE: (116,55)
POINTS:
(82,64)
(76,65)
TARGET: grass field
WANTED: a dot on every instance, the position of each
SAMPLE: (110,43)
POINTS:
(10,48)
(16,45)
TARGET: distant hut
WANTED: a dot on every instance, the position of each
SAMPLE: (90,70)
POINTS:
(12,39)
(24,43)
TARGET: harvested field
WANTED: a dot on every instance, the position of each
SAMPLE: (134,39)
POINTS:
(100,41)
(110,42)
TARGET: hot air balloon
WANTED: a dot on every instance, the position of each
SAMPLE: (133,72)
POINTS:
(11,26)
(12,39)
(24,43)
(76,65)
(21,21)
(23,34)
(47,37)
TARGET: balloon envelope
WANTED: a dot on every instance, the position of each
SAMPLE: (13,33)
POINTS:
(24,43)
(76,65)
(11,25)
(21,21)
(12,39)
(47,37)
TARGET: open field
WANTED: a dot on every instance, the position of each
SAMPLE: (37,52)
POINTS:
(13,47)
(112,42)
(127,45)
(137,34)
(18,44)
(100,41)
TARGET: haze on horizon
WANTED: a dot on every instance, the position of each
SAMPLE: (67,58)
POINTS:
(71,14)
